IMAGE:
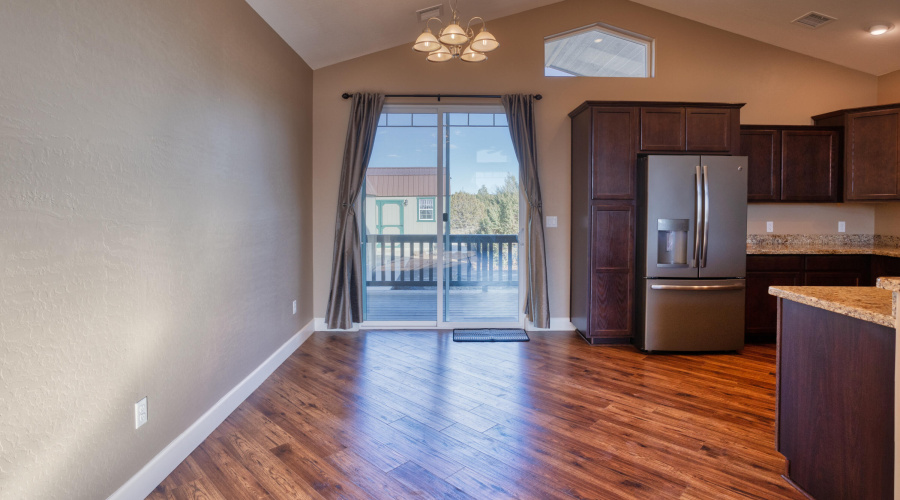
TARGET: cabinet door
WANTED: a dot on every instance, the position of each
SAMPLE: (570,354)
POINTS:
(662,129)
(836,270)
(809,165)
(612,302)
(761,315)
(819,278)
(763,151)
(707,129)
(613,153)
(883,266)
(872,167)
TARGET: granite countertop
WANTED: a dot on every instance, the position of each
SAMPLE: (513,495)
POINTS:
(889,283)
(870,304)
(814,249)
(892,284)
(823,244)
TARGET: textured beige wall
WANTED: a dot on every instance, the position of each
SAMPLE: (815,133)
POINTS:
(889,88)
(694,63)
(155,220)
(819,218)
(887,218)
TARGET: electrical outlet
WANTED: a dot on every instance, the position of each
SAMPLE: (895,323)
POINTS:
(551,221)
(770,226)
(140,413)
(295,307)
(842,226)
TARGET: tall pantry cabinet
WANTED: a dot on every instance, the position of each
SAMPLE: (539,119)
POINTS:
(607,138)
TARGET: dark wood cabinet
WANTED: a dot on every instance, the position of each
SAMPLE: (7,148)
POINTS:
(871,151)
(709,129)
(884,266)
(764,271)
(612,283)
(662,129)
(835,403)
(797,164)
(761,311)
(607,137)
(762,147)
(689,129)
(613,151)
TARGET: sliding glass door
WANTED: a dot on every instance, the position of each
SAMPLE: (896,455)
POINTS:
(441,220)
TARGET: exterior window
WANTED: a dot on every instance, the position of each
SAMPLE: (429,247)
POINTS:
(599,50)
(426,209)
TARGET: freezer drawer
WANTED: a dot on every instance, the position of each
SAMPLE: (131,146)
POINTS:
(693,315)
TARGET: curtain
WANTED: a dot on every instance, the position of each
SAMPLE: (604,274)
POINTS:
(345,297)
(520,115)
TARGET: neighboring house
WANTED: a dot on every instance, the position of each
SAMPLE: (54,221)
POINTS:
(401,201)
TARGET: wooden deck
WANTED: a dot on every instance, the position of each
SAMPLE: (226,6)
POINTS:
(464,304)
(411,414)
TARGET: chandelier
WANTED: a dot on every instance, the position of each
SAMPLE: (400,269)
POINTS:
(448,44)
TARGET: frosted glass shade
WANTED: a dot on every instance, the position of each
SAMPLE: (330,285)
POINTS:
(440,55)
(426,42)
(453,35)
(484,42)
(470,55)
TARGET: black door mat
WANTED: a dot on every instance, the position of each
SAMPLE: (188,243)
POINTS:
(490,335)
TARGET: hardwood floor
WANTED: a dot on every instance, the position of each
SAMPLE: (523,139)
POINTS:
(411,414)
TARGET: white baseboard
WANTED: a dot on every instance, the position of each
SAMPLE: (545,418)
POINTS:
(142,484)
(322,327)
(556,324)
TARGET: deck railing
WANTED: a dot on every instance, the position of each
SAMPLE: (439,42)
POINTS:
(471,260)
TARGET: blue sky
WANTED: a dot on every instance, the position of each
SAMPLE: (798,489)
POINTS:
(479,155)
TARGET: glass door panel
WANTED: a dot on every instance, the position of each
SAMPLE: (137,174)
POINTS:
(399,234)
(481,198)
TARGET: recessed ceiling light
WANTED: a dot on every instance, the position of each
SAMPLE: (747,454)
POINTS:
(598,40)
(880,29)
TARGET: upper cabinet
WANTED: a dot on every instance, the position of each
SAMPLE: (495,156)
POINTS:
(792,163)
(674,128)
(871,151)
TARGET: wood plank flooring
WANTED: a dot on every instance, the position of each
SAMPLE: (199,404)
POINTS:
(411,414)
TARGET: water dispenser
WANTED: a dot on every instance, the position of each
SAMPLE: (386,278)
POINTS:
(672,244)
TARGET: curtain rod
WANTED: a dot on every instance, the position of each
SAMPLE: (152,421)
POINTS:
(537,97)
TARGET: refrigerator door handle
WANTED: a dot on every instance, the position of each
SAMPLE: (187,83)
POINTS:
(705,216)
(698,288)
(698,189)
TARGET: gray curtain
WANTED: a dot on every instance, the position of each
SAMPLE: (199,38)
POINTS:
(520,114)
(345,296)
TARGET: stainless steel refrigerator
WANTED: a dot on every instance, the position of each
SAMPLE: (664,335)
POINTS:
(692,251)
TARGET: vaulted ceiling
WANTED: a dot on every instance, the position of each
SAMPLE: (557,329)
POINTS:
(326,32)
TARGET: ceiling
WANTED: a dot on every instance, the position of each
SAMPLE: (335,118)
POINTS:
(843,42)
(326,32)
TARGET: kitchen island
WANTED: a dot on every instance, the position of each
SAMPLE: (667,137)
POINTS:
(835,389)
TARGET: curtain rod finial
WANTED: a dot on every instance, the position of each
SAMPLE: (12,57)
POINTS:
(346,95)
(538,97)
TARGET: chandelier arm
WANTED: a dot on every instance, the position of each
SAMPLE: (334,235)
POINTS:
(441,23)
(483,24)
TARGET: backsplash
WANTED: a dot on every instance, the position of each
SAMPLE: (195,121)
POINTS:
(764,241)
(824,240)
(882,240)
